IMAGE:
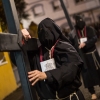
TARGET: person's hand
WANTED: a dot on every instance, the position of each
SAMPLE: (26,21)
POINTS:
(82,45)
(26,34)
(35,76)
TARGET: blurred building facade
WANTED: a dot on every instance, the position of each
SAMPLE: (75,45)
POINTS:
(40,9)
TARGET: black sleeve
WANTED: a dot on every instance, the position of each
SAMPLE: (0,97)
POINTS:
(69,60)
(49,77)
(92,37)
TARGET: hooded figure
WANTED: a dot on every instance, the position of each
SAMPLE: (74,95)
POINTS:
(80,23)
(56,65)
(83,38)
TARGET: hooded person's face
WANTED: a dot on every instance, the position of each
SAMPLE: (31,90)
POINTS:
(48,33)
(46,37)
(80,24)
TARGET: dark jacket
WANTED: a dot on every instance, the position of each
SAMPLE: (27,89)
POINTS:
(65,79)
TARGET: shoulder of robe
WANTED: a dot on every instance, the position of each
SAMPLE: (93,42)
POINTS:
(89,28)
(63,45)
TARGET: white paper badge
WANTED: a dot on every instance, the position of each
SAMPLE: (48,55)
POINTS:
(48,65)
(82,40)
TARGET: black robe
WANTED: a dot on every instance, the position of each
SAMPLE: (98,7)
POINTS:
(65,79)
(90,74)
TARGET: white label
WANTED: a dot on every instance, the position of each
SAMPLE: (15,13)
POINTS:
(82,40)
(48,65)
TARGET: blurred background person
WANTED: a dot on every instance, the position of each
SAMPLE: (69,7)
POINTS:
(83,39)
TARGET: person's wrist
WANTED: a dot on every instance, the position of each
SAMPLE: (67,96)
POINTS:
(45,76)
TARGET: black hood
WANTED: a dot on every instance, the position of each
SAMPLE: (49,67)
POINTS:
(80,23)
(49,33)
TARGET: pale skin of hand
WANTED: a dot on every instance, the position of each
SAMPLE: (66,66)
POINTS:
(82,45)
(26,34)
(35,76)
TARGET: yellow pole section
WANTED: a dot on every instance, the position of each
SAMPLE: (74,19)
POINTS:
(7,78)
